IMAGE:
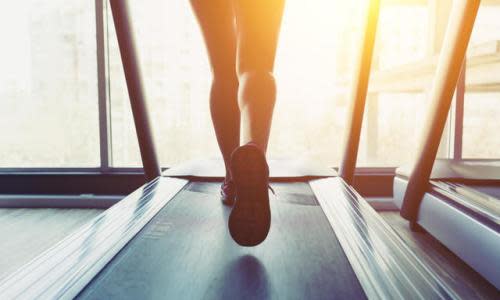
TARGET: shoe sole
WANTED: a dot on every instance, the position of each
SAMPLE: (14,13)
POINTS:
(250,218)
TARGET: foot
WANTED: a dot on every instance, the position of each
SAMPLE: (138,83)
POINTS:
(227,192)
(250,219)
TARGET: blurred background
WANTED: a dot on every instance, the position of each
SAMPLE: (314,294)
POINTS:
(55,114)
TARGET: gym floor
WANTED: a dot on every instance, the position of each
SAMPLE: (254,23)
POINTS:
(27,232)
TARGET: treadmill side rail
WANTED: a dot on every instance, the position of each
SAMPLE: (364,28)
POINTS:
(458,228)
(384,265)
(65,269)
(488,207)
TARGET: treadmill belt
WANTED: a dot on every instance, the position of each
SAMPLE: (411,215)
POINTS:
(186,252)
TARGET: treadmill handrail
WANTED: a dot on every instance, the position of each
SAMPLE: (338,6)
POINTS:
(133,78)
(458,32)
(358,91)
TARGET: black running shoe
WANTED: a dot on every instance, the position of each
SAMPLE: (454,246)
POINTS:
(250,218)
(227,192)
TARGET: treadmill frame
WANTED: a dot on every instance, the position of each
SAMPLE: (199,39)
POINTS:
(384,265)
(461,225)
(451,58)
(64,270)
(457,227)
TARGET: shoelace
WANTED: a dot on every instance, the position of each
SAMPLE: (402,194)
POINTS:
(271,189)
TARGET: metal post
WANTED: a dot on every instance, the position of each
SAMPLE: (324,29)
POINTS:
(135,88)
(359,88)
(449,65)
(459,114)
(102,76)
(372,126)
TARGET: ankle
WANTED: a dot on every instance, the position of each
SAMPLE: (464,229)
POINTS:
(255,144)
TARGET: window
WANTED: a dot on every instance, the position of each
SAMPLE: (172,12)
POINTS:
(481,138)
(482,97)
(177,81)
(391,129)
(48,84)
(313,60)
(49,89)
(397,101)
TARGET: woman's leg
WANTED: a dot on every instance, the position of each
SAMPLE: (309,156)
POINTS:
(258,24)
(216,19)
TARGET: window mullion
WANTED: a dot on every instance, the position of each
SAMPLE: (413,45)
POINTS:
(103,88)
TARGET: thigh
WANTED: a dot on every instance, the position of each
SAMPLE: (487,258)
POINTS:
(257,30)
(217,23)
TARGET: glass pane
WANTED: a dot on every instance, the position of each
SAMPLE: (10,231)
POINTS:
(481,125)
(396,107)
(402,35)
(177,80)
(481,138)
(392,128)
(48,84)
(313,64)
(486,26)
(309,114)
(314,61)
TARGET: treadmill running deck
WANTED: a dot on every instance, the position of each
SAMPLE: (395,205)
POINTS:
(186,252)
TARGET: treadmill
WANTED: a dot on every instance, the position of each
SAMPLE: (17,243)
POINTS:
(169,238)
(456,201)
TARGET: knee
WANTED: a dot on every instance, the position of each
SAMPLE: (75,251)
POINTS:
(256,77)
(259,83)
(227,81)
